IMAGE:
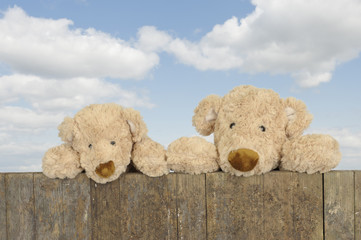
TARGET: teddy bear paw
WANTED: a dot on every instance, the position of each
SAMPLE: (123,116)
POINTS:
(192,155)
(61,162)
(148,157)
(311,153)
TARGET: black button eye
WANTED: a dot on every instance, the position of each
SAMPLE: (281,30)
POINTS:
(232,125)
(112,142)
(263,128)
(90,146)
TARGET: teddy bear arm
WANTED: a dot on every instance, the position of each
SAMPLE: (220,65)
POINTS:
(61,162)
(311,153)
(192,155)
(148,157)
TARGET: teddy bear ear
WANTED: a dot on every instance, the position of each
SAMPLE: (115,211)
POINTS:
(137,126)
(206,113)
(66,130)
(298,117)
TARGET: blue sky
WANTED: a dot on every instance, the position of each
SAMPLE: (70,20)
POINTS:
(163,57)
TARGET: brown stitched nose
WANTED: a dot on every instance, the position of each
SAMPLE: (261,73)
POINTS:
(243,160)
(105,170)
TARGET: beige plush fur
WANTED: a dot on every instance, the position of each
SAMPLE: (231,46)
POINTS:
(256,131)
(100,140)
(146,157)
(192,155)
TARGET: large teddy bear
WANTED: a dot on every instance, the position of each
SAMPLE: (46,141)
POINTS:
(255,131)
(102,139)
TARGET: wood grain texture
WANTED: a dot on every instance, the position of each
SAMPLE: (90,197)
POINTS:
(234,206)
(277,222)
(358,205)
(276,205)
(77,208)
(339,205)
(2,208)
(20,206)
(48,207)
(105,213)
(307,205)
(292,206)
(191,207)
(148,207)
(62,207)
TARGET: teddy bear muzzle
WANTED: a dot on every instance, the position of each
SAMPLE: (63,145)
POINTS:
(243,159)
(105,170)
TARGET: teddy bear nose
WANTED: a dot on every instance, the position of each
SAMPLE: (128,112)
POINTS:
(105,169)
(243,160)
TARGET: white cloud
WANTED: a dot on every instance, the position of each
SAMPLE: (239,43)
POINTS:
(26,118)
(3,137)
(53,48)
(150,39)
(22,148)
(32,103)
(306,39)
(306,79)
(24,151)
(54,95)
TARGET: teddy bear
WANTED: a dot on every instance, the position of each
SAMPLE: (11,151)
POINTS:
(102,140)
(255,131)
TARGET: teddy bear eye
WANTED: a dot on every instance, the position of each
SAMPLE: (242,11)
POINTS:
(90,146)
(263,128)
(112,142)
(232,125)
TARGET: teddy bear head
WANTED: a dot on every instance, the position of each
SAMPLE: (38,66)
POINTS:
(103,136)
(250,126)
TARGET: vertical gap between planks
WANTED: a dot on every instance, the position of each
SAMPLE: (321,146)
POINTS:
(323,206)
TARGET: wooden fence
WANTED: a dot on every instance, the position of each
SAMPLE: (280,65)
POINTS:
(277,205)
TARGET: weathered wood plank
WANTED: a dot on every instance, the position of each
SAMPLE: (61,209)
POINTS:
(191,207)
(105,210)
(307,206)
(277,205)
(77,208)
(48,207)
(292,206)
(339,205)
(148,207)
(2,208)
(20,206)
(62,207)
(234,206)
(357,205)
(278,209)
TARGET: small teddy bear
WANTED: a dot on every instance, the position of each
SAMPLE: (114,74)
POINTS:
(255,131)
(102,139)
